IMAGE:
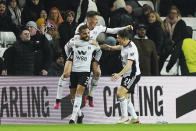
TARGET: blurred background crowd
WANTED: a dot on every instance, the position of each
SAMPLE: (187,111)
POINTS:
(33,34)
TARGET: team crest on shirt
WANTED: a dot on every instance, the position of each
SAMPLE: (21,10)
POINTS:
(131,54)
(89,48)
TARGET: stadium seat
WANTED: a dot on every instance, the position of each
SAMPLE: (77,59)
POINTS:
(7,39)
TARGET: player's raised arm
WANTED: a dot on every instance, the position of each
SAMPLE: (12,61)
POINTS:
(108,47)
(116,30)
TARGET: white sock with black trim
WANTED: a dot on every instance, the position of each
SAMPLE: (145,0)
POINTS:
(76,107)
(131,110)
(61,86)
(123,106)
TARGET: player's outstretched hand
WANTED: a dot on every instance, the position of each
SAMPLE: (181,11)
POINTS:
(115,76)
(129,27)
(105,47)
(94,42)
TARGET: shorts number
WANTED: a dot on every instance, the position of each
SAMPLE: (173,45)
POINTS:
(127,81)
(86,82)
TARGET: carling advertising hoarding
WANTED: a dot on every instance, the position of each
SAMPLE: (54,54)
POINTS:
(30,100)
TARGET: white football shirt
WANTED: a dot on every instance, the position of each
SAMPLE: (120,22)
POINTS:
(130,52)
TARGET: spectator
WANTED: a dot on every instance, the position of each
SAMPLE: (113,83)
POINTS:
(189,50)
(19,58)
(147,52)
(104,7)
(2,68)
(21,3)
(55,17)
(53,37)
(81,11)
(31,11)
(43,53)
(136,7)
(144,17)
(62,5)
(177,30)
(43,14)
(57,67)
(15,12)
(41,24)
(155,31)
(6,23)
(67,28)
(119,15)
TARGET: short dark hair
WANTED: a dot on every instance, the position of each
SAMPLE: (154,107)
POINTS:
(91,14)
(22,28)
(65,14)
(3,2)
(124,34)
(82,28)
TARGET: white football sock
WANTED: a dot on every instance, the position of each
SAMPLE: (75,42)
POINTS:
(123,106)
(76,107)
(79,112)
(131,109)
(61,86)
(93,87)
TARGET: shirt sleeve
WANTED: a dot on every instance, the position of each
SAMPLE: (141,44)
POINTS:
(114,30)
(98,53)
(131,54)
(69,46)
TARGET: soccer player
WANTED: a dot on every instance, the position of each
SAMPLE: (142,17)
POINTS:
(130,74)
(92,20)
(82,56)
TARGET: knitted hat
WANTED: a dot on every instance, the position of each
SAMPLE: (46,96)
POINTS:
(32,24)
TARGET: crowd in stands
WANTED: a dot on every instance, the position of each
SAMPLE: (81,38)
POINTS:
(43,27)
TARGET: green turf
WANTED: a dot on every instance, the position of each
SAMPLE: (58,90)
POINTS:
(107,127)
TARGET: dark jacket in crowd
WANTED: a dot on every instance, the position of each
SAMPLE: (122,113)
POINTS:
(147,57)
(84,8)
(19,58)
(179,34)
(156,34)
(55,69)
(6,23)
(31,12)
(104,7)
(62,5)
(66,32)
(120,17)
(43,53)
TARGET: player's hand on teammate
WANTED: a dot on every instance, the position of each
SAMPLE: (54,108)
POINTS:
(106,47)
(115,76)
(129,27)
(94,42)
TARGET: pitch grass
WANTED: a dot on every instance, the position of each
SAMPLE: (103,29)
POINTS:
(106,127)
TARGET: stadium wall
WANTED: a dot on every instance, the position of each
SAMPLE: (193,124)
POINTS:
(30,100)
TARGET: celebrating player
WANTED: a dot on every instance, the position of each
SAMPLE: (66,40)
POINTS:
(82,57)
(92,20)
(130,74)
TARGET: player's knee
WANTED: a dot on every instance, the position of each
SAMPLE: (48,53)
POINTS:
(119,94)
(97,73)
(80,90)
